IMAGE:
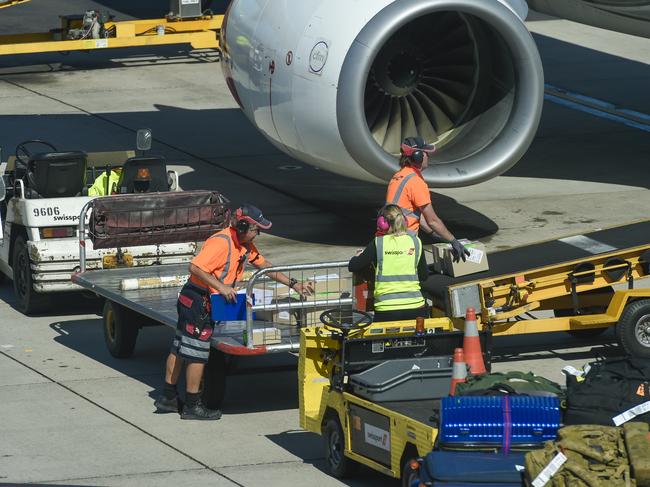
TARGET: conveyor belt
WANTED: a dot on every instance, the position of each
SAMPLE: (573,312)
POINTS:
(544,254)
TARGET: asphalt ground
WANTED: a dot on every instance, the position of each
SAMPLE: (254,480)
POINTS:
(70,414)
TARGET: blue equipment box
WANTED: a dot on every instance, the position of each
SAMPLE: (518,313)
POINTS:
(508,422)
(222,310)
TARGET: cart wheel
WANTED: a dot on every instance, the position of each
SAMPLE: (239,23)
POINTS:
(338,464)
(633,328)
(120,329)
(28,301)
(410,475)
(214,379)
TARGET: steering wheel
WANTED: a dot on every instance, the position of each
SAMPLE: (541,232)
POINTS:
(23,153)
(333,319)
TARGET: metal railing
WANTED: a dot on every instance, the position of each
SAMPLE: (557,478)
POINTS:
(285,310)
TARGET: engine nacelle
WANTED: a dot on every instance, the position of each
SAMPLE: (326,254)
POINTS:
(339,83)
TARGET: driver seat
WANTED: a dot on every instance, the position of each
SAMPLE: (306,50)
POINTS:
(156,167)
(56,174)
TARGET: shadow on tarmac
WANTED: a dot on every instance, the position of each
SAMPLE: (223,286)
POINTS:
(271,377)
(303,443)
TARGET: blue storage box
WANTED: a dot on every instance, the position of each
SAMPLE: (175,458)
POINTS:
(510,421)
(223,310)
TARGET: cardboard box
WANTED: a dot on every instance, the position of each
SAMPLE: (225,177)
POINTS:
(444,260)
(266,336)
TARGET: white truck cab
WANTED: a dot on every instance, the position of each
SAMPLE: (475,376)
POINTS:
(41,197)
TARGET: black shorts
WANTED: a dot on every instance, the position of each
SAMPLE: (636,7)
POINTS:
(194,326)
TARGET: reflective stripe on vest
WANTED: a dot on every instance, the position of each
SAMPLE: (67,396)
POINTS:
(396,280)
(226,268)
(398,194)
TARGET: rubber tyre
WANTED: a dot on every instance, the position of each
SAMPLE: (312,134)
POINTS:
(633,328)
(120,329)
(409,476)
(214,379)
(28,301)
(338,464)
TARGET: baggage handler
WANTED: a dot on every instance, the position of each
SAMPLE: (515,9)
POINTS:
(408,190)
(397,256)
(216,269)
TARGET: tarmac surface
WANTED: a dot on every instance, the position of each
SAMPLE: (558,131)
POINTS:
(70,414)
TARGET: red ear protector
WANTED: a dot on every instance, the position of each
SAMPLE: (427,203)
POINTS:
(382,223)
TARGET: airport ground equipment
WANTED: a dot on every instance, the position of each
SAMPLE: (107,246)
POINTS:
(95,29)
(148,296)
(45,190)
(371,389)
(589,282)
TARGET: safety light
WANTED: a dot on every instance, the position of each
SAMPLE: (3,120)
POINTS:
(57,232)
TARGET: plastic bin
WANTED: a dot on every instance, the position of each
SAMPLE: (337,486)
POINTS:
(404,379)
(223,310)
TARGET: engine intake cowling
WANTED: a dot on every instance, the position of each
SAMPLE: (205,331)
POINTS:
(352,79)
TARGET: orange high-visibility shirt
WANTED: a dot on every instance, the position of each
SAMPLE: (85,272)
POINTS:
(410,192)
(225,258)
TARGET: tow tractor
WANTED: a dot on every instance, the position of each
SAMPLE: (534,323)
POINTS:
(45,190)
(371,389)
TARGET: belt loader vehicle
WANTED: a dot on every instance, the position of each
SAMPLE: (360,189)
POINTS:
(45,190)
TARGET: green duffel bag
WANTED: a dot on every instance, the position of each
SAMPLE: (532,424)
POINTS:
(514,382)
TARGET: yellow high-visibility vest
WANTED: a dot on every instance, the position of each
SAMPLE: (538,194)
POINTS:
(396,277)
(99,185)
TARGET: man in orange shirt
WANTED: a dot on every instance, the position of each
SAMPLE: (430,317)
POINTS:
(216,269)
(408,190)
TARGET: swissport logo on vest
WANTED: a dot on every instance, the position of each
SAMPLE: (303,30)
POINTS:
(410,251)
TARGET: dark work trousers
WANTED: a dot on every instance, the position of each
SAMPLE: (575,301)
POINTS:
(194,327)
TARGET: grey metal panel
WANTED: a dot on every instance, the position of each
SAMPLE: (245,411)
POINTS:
(463,298)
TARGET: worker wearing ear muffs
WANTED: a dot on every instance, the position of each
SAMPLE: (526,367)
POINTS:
(397,257)
(408,190)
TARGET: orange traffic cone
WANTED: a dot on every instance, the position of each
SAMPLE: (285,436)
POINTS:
(472,344)
(458,370)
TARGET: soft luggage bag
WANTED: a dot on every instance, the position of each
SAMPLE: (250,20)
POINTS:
(480,469)
(608,389)
(594,456)
(513,382)
(637,444)
(506,422)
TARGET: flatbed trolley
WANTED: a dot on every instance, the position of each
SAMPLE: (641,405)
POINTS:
(138,297)
(578,277)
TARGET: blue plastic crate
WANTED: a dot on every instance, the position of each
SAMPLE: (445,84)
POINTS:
(506,422)
(223,310)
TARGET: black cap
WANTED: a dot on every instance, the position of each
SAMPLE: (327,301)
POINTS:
(419,143)
(253,214)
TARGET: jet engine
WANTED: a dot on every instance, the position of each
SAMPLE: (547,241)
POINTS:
(339,83)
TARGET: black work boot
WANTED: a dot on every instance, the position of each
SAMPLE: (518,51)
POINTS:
(168,401)
(168,404)
(194,409)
